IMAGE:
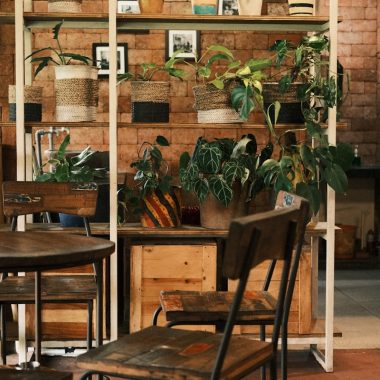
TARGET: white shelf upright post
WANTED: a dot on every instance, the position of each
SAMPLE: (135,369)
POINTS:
(113,161)
(326,360)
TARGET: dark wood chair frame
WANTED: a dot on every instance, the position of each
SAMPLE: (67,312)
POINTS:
(284,199)
(242,255)
(21,203)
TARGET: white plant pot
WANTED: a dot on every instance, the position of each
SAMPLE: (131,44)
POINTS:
(250,7)
(65,6)
(301,7)
(77,92)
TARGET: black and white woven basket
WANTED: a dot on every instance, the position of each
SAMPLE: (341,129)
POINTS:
(32,103)
(301,7)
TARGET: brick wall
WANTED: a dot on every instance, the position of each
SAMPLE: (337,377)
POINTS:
(357,52)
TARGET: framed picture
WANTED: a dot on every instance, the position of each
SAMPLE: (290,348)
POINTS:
(186,40)
(228,7)
(131,6)
(100,55)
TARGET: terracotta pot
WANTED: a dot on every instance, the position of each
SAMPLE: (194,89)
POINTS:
(151,6)
(215,215)
(250,7)
(161,209)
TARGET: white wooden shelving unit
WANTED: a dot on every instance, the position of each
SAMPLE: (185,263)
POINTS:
(25,20)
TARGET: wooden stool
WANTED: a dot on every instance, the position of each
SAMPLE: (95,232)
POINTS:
(8,373)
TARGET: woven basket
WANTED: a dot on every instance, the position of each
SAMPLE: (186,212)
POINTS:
(301,7)
(32,103)
(214,105)
(150,101)
(77,92)
(291,110)
(146,91)
(66,6)
(219,115)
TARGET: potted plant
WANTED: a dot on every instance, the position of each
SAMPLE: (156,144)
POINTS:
(76,85)
(223,175)
(150,99)
(158,201)
(75,168)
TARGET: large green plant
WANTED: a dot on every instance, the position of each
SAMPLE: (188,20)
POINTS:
(59,56)
(68,168)
(214,166)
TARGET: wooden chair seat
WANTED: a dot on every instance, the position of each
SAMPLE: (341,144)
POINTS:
(21,289)
(158,353)
(214,306)
(7,373)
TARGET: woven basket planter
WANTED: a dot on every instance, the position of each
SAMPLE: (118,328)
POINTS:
(214,105)
(161,209)
(32,103)
(66,6)
(77,92)
(204,7)
(150,101)
(151,6)
(291,110)
(301,7)
(250,7)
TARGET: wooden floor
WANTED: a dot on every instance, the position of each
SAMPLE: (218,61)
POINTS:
(348,365)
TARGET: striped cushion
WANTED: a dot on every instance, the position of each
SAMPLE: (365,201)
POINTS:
(301,7)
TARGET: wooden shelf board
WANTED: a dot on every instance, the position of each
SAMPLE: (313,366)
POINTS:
(147,22)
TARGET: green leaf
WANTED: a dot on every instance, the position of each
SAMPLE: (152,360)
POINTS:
(241,98)
(209,159)
(232,171)
(308,159)
(311,192)
(201,188)
(284,83)
(336,178)
(77,57)
(259,64)
(218,83)
(344,155)
(222,192)
(45,177)
(282,183)
(165,183)
(162,141)
(62,148)
(221,48)
(184,160)
(56,30)
(62,173)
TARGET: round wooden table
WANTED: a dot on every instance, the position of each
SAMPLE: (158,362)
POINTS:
(39,251)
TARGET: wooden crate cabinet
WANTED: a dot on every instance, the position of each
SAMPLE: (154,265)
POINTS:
(169,267)
(300,317)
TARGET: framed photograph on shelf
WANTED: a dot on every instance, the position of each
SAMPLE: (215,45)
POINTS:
(131,6)
(100,56)
(186,40)
(228,7)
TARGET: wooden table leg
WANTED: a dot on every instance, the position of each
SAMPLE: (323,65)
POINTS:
(99,302)
(38,316)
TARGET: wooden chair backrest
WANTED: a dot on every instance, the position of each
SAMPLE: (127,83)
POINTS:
(24,197)
(272,229)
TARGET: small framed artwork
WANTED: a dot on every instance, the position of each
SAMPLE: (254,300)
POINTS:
(131,6)
(228,7)
(186,40)
(100,56)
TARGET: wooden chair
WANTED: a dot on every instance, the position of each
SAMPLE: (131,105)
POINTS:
(22,198)
(161,352)
(258,307)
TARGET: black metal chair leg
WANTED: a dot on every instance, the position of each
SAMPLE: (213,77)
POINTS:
(284,353)
(3,335)
(155,315)
(89,324)
(262,338)
(273,368)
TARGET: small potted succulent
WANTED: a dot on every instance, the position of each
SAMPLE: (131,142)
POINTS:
(75,168)
(158,201)
(76,85)
(223,175)
(150,99)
